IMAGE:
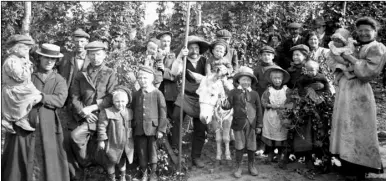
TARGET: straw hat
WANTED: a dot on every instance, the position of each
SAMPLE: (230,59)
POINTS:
(245,71)
(49,50)
(204,45)
(267,73)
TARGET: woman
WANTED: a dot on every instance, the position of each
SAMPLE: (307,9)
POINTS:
(274,40)
(354,131)
(39,155)
(319,54)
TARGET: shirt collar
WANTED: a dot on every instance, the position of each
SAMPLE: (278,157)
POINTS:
(91,68)
(149,89)
(249,88)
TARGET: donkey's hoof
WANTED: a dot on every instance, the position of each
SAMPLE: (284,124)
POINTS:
(217,163)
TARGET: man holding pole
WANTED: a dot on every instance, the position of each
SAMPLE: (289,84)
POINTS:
(195,63)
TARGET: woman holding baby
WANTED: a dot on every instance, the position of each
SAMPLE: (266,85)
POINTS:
(354,124)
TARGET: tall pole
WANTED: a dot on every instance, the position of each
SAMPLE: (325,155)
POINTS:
(183,89)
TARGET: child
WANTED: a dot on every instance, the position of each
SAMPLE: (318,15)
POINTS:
(153,59)
(313,79)
(342,42)
(274,99)
(18,92)
(115,133)
(247,118)
(149,120)
(218,49)
(300,55)
(267,55)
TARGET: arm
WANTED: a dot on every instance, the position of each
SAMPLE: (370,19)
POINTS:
(162,122)
(235,61)
(58,97)
(259,113)
(265,99)
(208,67)
(103,122)
(227,103)
(76,95)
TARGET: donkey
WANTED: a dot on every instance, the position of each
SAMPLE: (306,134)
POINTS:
(211,91)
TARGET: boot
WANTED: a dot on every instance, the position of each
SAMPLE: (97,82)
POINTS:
(23,123)
(111,177)
(144,176)
(198,163)
(239,158)
(251,163)
(8,126)
(122,176)
(153,175)
(283,158)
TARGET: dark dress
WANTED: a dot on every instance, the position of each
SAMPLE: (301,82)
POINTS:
(39,155)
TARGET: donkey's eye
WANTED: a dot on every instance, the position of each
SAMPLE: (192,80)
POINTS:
(211,95)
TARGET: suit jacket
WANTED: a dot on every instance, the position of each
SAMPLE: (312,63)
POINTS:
(85,92)
(285,54)
(68,68)
(169,85)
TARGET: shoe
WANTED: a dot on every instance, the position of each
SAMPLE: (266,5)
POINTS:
(8,126)
(198,163)
(238,171)
(153,176)
(144,176)
(251,163)
(239,157)
(111,177)
(24,124)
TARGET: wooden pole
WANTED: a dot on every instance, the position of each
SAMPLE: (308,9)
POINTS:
(25,28)
(183,89)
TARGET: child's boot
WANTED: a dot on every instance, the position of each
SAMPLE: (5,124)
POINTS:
(111,177)
(239,157)
(23,123)
(123,176)
(153,175)
(144,176)
(8,126)
(283,158)
(251,163)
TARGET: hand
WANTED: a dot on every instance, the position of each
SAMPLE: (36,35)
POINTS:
(317,86)
(161,66)
(258,130)
(159,134)
(91,118)
(101,145)
(87,110)
(184,52)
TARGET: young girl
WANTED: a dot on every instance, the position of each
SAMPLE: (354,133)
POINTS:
(115,133)
(247,118)
(275,99)
(300,55)
(218,49)
(19,94)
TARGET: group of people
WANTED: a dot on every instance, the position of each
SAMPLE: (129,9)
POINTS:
(122,123)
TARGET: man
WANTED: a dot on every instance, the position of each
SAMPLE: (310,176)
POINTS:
(231,55)
(169,84)
(91,92)
(294,39)
(196,63)
(320,28)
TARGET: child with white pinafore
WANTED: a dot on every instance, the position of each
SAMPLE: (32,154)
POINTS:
(274,100)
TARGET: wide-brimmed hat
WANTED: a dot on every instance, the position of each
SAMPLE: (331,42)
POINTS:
(20,39)
(219,42)
(204,45)
(223,34)
(267,49)
(269,69)
(300,47)
(244,71)
(80,33)
(294,26)
(159,35)
(49,50)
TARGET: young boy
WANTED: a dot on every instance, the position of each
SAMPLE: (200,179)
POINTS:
(115,133)
(247,118)
(218,49)
(267,54)
(149,109)
(153,59)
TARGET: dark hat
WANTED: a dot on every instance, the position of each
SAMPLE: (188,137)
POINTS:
(244,71)
(20,39)
(223,34)
(146,69)
(164,33)
(267,49)
(294,26)
(95,45)
(269,69)
(300,47)
(319,22)
(49,50)
(125,89)
(219,42)
(80,33)
(367,21)
(204,45)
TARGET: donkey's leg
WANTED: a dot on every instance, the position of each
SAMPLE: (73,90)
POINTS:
(226,137)
(219,146)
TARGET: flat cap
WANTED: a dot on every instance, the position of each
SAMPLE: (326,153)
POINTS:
(80,33)
(95,45)
(164,33)
(301,47)
(294,25)
(20,39)
(223,34)
(267,49)
(146,69)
